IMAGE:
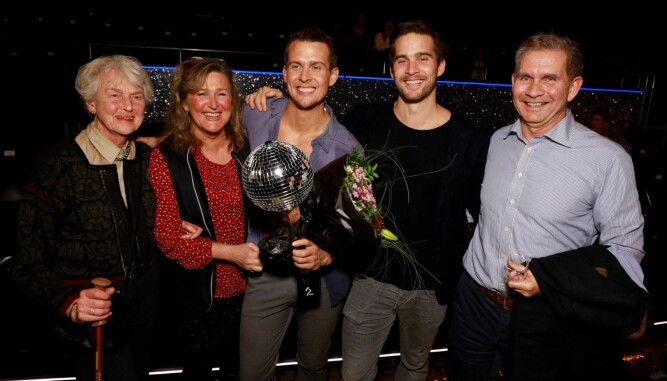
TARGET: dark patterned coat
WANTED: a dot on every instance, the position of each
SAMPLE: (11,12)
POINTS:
(73,225)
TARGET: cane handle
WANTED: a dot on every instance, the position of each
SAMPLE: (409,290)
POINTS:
(100,284)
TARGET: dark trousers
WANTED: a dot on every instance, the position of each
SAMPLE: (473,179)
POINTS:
(211,339)
(478,339)
(544,346)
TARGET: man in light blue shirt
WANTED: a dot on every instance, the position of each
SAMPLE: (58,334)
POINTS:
(551,185)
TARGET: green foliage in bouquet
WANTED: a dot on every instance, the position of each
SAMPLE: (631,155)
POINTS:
(359,177)
(361,170)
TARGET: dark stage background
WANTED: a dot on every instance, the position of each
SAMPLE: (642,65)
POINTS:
(41,50)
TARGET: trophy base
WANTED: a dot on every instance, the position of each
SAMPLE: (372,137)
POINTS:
(276,248)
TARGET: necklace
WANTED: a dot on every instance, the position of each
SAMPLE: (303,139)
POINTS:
(126,153)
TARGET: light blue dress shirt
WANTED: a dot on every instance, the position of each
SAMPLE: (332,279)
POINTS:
(553,194)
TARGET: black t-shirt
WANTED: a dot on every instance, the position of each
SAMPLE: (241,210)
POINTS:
(407,192)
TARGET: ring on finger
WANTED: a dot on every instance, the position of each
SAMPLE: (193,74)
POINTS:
(92,311)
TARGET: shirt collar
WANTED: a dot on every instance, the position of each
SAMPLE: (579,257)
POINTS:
(325,139)
(561,133)
(107,149)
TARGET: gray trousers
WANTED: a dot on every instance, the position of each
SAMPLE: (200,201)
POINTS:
(369,313)
(268,307)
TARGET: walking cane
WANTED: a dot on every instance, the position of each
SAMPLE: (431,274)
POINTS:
(100,284)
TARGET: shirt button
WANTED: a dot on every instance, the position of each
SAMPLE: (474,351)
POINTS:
(512,201)
(520,174)
(506,228)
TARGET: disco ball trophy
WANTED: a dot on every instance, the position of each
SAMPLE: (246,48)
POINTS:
(277,177)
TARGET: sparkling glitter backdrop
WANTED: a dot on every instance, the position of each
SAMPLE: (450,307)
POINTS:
(487,104)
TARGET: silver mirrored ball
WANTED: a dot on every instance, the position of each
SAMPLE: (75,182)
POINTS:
(277,176)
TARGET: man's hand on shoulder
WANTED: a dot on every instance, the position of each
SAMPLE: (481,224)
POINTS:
(258,98)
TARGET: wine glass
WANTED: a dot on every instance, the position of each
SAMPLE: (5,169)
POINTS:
(516,265)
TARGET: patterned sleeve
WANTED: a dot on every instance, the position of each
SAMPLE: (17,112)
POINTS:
(191,254)
(37,236)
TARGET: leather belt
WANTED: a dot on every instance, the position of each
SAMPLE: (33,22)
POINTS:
(503,300)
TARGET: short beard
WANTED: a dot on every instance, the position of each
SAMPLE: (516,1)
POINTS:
(419,97)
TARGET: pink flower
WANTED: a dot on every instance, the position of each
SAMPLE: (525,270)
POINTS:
(358,182)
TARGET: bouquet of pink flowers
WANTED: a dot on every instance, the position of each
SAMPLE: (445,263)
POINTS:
(359,176)
(357,189)
(342,216)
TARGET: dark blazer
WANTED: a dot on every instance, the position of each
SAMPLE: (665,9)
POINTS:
(461,183)
(589,285)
